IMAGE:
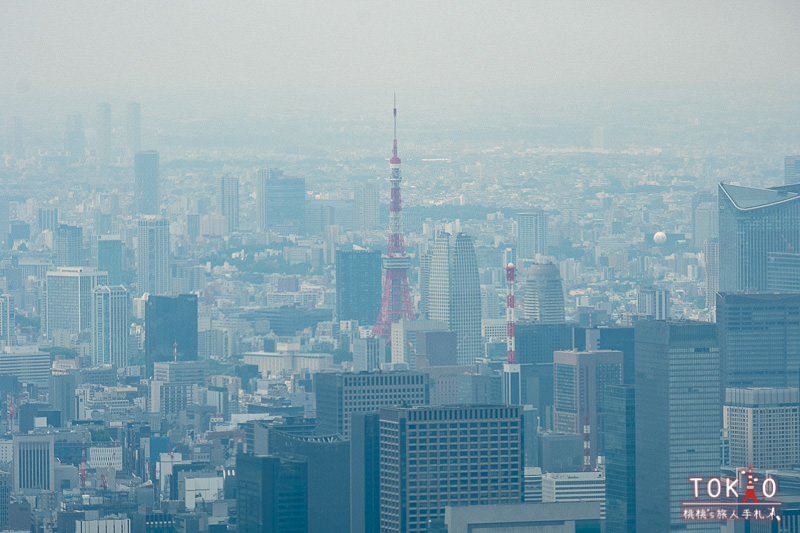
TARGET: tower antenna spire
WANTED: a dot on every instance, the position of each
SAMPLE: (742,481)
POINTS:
(396,302)
(394,147)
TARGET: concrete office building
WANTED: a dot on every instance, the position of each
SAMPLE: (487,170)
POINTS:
(759,339)
(69,299)
(34,463)
(428,461)
(579,384)
(339,395)
(763,425)
(677,385)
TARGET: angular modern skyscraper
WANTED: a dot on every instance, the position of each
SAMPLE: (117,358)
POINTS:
(454,293)
(544,294)
(281,202)
(532,234)
(152,256)
(396,303)
(110,326)
(358,285)
(229,201)
(752,223)
(68,242)
(367,208)
(146,183)
(170,328)
(678,417)
(759,339)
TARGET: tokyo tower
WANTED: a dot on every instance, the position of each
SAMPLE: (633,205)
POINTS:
(396,303)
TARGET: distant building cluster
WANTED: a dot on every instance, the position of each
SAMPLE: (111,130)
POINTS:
(202,341)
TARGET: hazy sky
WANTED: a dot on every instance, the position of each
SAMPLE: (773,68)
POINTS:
(150,46)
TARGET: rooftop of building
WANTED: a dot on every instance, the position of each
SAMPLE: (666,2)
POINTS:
(748,198)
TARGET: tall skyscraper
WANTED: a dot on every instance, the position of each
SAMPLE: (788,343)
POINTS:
(109,257)
(339,395)
(396,303)
(532,234)
(133,128)
(428,460)
(367,207)
(146,183)
(579,394)
(74,137)
(103,133)
(752,223)
(455,293)
(358,285)
(763,425)
(170,324)
(7,320)
(69,299)
(152,256)
(759,339)
(791,169)
(110,326)
(229,201)
(68,242)
(678,417)
(620,453)
(281,202)
(544,294)
(272,493)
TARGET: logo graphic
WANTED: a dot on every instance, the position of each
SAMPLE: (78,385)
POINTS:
(720,501)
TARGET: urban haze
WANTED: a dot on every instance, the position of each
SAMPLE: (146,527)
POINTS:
(399,267)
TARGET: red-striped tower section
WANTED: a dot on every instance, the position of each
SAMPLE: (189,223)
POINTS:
(396,303)
(510,342)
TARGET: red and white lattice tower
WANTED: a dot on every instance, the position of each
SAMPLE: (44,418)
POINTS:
(396,303)
(510,336)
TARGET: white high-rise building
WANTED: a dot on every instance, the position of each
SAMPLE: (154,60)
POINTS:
(229,201)
(532,234)
(110,326)
(454,293)
(544,294)
(152,256)
(367,206)
(763,427)
(69,299)
(575,487)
